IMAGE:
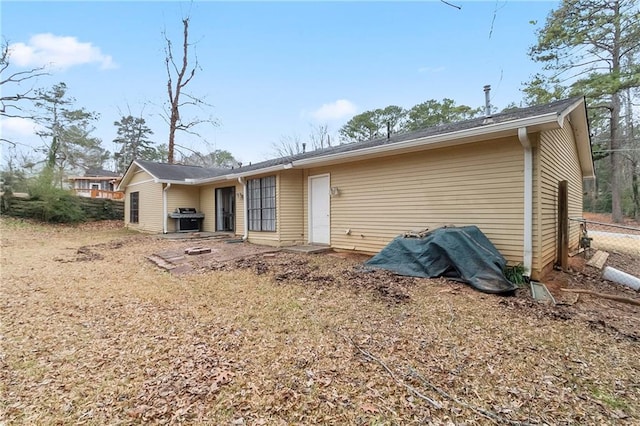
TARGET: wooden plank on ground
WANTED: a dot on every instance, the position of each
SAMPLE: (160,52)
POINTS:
(197,250)
(598,259)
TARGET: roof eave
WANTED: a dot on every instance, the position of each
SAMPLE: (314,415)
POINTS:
(177,182)
(128,174)
(537,123)
(234,176)
(578,119)
(548,121)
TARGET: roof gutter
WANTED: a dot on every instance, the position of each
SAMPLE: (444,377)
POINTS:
(523,137)
(233,176)
(177,182)
(459,136)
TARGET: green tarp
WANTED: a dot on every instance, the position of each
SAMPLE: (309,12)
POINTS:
(458,253)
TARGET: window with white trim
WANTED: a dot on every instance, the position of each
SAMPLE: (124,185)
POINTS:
(261,204)
(134,203)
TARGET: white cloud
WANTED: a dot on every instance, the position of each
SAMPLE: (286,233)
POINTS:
(335,110)
(17,126)
(58,51)
(431,69)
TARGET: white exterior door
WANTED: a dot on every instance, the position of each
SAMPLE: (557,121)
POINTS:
(319,231)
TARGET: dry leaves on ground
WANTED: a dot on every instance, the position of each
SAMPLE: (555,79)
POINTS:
(290,339)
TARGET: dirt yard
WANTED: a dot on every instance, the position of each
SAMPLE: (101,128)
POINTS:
(92,332)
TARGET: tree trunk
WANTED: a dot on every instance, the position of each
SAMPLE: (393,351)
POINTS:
(632,156)
(173,121)
(615,155)
(615,161)
(174,94)
(635,192)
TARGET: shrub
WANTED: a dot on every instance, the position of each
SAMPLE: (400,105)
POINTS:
(51,204)
(515,274)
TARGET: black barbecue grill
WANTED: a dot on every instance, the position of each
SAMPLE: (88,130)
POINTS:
(187,219)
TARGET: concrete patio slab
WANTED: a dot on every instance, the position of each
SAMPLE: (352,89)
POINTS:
(307,249)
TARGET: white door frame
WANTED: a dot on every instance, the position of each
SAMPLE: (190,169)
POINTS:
(310,207)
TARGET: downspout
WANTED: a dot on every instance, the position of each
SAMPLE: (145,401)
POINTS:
(528,199)
(244,207)
(164,208)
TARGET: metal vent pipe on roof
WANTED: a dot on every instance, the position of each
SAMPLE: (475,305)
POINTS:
(487,100)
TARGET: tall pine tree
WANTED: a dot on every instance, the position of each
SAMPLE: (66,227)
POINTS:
(587,47)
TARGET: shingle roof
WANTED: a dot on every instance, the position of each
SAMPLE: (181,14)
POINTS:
(557,107)
(95,172)
(179,172)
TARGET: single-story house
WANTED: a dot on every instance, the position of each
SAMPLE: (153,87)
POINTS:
(498,172)
(97,183)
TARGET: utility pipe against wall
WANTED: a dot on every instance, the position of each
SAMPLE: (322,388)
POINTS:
(244,206)
(165,214)
(528,199)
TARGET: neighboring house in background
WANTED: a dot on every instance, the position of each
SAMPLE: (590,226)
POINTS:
(97,183)
(500,172)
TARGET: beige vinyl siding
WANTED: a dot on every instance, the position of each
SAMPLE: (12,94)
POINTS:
(207,206)
(150,203)
(290,208)
(479,184)
(558,161)
(240,209)
(180,196)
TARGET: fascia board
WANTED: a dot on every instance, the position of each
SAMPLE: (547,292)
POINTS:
(129,173)
(234,176)
(568,110)
(175,182)
(442,140)
(537,123)
(126,177)
(583,142)
(145,170)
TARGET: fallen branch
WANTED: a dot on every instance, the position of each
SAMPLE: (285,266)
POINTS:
(495,418)
(388,370)
(485,413)
(620,299)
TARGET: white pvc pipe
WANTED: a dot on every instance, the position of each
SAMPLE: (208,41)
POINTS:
(617,276)
(242,181)
(164,208)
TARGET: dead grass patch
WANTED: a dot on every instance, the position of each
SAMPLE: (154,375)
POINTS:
(283,340)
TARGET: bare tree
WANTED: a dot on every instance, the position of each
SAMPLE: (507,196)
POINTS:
(287,146)
(319,136)
(183,74)
(290,145)
(14,90)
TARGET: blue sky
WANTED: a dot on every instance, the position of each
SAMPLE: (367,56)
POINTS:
(272,69)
